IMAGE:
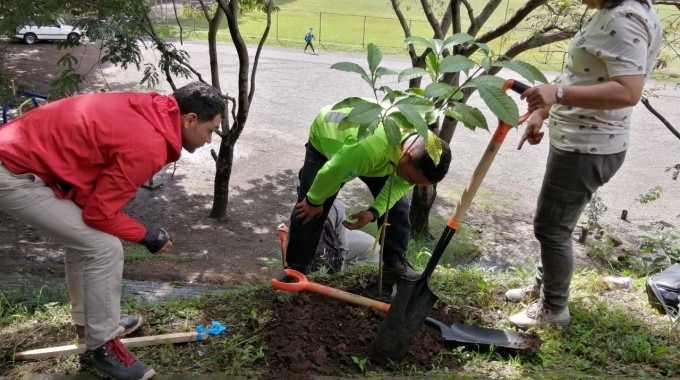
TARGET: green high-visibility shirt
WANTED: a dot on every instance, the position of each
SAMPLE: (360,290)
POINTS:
(349,159)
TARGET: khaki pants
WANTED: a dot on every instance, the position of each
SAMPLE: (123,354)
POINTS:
(94,259)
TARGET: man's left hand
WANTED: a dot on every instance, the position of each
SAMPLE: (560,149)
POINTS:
(362,218)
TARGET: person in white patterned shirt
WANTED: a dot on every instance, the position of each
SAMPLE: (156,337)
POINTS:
(588,111)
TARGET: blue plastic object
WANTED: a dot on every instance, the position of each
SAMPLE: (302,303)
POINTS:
(30,95)
(215,330)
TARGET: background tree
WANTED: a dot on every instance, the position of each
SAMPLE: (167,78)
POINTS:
(118,26)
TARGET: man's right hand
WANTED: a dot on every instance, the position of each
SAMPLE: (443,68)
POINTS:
(307,212)
(157,240)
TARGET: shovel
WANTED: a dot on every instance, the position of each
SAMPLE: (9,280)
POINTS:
(464,334)
(414,298)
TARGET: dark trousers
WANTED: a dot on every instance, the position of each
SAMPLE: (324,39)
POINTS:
(303,239)
(309,44)
(568,185)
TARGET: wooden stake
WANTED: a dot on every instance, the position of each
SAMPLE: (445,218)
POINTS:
(143,341)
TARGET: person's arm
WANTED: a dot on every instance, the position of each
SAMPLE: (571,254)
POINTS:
(116,185)
(617,92)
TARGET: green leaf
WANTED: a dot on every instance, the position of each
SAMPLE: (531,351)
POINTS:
(526,70)
(364,113)
(414,118)
(437,45)
(432,66)
(486,63)
(484,48)
(392,132)
(374,57)
(418,104)
(401,120)
(439,90)
(380,71)
(412,72)
(415,40)
(350,103)
(489,80)
(390,94)
(499,103)
(346,124)
(351,67)
(456,63)
(433,145)
(457,39)
(471,117)
(416,91)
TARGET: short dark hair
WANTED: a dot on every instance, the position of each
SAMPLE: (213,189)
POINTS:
(422,161)
(200,98)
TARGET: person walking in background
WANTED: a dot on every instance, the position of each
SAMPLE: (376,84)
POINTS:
(588,112)
(69,167)
(308,39)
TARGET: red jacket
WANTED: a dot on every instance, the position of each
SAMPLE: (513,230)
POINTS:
(105,145)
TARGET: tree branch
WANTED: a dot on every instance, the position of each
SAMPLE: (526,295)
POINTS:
(407,31)
(432,19)
(259,49)
(510,24)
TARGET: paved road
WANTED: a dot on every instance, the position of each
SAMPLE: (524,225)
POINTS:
(292,86)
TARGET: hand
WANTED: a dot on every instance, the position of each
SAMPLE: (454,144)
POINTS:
(157,240)
(307,212)
(532,134)
(362,218)
(541,96)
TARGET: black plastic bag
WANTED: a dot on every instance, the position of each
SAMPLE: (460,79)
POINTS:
(663,290)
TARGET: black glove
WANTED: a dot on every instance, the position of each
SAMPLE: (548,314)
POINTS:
(155,239)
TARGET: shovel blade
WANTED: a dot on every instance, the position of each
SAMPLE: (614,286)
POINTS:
(465,334)
(407,314)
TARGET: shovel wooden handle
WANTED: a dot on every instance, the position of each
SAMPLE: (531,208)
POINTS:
(487,158)
(302,284)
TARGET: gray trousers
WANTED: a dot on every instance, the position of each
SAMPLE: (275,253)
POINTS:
(568,185)
(93,259)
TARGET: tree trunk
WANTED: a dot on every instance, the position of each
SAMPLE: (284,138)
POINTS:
(419,214)
(225,161)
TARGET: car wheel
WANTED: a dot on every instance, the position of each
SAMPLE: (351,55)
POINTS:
(30,38)
(73,37)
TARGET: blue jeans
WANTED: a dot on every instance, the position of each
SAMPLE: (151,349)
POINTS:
(568,185)
(303,239)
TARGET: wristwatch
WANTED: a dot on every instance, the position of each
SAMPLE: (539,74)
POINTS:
(559,95)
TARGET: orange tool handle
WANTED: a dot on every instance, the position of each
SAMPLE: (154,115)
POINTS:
(302,284)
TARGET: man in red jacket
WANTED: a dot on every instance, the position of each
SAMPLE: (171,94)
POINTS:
(67,168)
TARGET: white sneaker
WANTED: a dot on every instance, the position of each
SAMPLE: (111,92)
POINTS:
(538,315)
(532,292)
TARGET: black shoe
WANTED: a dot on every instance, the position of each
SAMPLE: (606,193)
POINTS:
(129,322)
(393,270)
(114,361)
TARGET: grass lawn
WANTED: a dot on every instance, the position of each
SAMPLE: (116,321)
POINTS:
(350,25)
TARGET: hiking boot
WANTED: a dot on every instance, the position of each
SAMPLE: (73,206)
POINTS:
(396,269)
(113,361)
(129,323)
(537,315)
(532,292)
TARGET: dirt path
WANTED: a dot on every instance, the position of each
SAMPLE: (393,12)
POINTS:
(291,87)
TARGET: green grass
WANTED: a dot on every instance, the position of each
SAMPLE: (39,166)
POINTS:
(351,24)
(613,334)
(138,253)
